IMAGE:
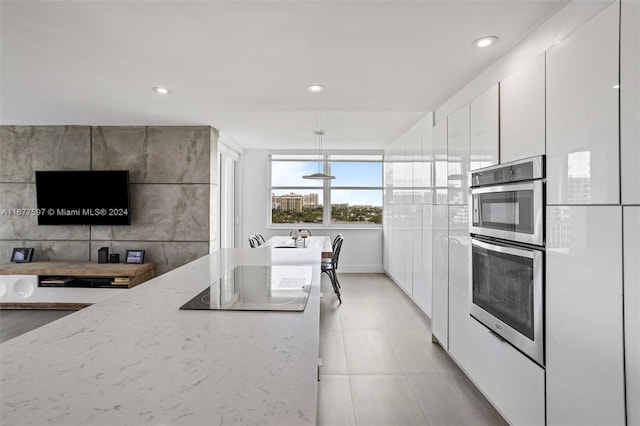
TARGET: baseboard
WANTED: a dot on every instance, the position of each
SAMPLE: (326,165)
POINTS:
(360,269)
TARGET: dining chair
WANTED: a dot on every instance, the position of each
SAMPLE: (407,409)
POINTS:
(253,242)
(329,268)
(258,242)
(260,237)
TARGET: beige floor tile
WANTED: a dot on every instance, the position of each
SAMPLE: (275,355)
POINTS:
(385,400)
(399,316)
(332,352)
(418,355)
(334,401)
(447,401)
(369,352)
(358,316)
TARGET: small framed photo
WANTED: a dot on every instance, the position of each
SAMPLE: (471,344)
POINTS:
(22,255)
(134,256)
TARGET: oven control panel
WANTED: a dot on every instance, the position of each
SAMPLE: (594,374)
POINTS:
(506,173)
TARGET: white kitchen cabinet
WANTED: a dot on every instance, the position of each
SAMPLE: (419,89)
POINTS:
(485,132)
(458,156)
(440,275)
(522,112)
(582,114)
(439,151)
(459,271)
(512,382)
(630,100)
(584,319)
(631,249)
(422,262)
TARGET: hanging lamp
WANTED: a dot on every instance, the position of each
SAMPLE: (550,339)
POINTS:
(319,174)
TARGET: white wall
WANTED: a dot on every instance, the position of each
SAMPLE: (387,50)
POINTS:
(361,250)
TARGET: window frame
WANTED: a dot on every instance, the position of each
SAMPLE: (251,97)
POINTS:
(326,187)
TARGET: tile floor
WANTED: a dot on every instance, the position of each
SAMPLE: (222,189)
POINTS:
(380,366)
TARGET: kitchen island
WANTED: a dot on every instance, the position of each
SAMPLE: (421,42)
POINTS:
(138,359)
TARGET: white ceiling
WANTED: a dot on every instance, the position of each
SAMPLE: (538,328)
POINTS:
(243,66)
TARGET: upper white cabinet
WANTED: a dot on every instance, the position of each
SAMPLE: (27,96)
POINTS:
(459,271)
(522,112)
(458,156)
(584,320)
(582,114)
(439,150)
(440,275)
(632,310)
(630,99)
(484,141)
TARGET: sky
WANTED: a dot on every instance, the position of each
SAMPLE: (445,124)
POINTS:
(288,173)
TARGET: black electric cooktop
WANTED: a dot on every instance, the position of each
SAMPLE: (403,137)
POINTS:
(257,288)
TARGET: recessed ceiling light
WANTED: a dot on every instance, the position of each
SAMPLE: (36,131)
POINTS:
(315,88)
(485,42)
(161,90)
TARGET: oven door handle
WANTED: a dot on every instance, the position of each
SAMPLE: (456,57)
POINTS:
(511,187)
(528,253)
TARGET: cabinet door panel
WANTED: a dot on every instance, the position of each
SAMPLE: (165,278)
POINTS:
(584,340)
(458,156)
(632,310)
(484,144)
(522,107)
(439,150)
(582,114)
(440,275)
(511,381)
(630,100)
(459,271)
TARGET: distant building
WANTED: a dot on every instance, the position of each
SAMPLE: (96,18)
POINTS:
(291,202)
(310,200)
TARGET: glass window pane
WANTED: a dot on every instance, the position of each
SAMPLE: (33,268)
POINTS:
(360,206)
(300,206)
(289,173)
(356,174)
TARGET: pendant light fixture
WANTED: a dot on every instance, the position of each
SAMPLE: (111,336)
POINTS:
(320,173)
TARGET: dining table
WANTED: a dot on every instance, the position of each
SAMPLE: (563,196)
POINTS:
(320,242)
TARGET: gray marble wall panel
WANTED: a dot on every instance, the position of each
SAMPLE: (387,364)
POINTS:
(48,250)
(162,212)
(166,255)
(25,226)
(154,154)
(171,169)
(25,149)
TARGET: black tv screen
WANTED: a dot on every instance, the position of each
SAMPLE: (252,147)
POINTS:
(97,197)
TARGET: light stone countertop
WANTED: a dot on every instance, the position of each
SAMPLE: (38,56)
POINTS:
(137,359)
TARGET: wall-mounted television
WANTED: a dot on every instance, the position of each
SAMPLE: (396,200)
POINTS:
(91,197)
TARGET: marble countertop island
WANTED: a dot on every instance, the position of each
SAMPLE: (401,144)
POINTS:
(137,359)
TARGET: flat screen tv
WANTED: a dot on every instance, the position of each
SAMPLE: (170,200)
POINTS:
(96,197)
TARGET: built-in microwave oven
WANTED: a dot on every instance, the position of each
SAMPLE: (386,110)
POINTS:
(507,201)
(507,253)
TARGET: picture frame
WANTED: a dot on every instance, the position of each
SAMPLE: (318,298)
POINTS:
(22,255)
(134,256)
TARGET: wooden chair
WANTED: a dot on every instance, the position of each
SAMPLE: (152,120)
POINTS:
(260,238)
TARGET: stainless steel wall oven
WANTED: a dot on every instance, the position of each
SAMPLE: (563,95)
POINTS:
(507,229)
